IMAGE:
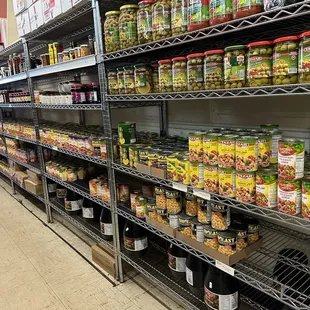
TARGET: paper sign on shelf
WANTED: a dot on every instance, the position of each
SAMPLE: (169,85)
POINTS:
(179,187)
(200,193)
(225,268)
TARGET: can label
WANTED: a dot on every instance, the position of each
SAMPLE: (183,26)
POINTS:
(197,175)
(183,172)
(210,150)
(227,182)
(246,155)
(172,164)
(289,196)
(195,148)
(266,190)
(211,179)
(305,208)
(245,186)
(264,151)
(226,151)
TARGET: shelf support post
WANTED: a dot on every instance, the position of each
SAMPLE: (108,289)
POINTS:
(163,118)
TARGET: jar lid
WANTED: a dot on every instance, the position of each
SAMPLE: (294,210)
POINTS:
(164,61)
(129,6)
(305,34)
(84,45)
(195,55)
(179,59)
(260,43)
(112,13)
(235,47)
(289,38)
(145,2)
(214,52)
(128,68)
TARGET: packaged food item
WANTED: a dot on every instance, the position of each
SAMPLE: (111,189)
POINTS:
(246,153)
(77,52)
(143,79)
(197,175)
(178,17)
(185,224)
(160,196)
(226,150)
(197,230)
(172,166)
(227,182)
(179,73)
(155,76)
(135,240)
(195,75)
(210,148)
(211,179)
(198,14)
(210,237)
(220,216)
(141,207)
(111,31)
(173,201)
(276,136)
(214,69)
(173,220)
(285,60)
(191,205)
(235,61)
(161,18)
(45,59)
(84,50)
(143,155)
(124,154)
(129,80)
(303,58)
(289,196)
(264,145)
(123,193)
(151,208)
(253,231)
(177,261)
(220,12)
(147,190)
(106,226)
(227,242)
(128,26)
(126,132)
(133,155)
(242,235)
(133,197)
(203,211)
(161,215)
(165,76)
(291,159)
(144,21)
(112,82)
(305,207)
(195,144)
(277,4)
(120,80)
(245,186)
(266,188)
(153,157)
(246,8)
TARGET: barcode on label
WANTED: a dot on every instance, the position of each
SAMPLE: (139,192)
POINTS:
(180,187)
(292,70)
(201,194)
(225,268)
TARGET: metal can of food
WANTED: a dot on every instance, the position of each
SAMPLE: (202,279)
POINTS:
(183,170)
(151,208)
(227,182)
(305,207)
(197,230)
(196,175)
(124,154)
(173,201)
(289,196)
(220,216)
(291,159)
(147,190)
(185,224)
(133,155)
(162,159)
(211,179)
(247,153)
(210,237)
(195,146)
(264,149)
(153,157)
(161,215)
(245,186)
(227,242)
(127,132)
(191,205)
(160,196)
(226,151)
(210,148)
(276,136)
(172,164)
(203,211)
(266,188)
(141,203)
(133,197)
(143,155)
(253,231)
(269,127)
(123,192)
(242,235)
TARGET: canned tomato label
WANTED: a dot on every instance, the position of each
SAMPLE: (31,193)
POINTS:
(226,151)
(172,164)
(195,146)
(183,170)
(211,179)
(289,196)
(291,159)
(266,188)
(245,186)
(305,207)
(196,175)
(210,148)
(227,182)
(264,150)
(276,136)
(246,153)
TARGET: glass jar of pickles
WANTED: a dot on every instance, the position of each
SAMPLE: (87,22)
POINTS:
(178,17)
(120,80)
(235,66)
(214,69)
(111,31)
(129,80)
(260,63)
(195,72)
(112,82)
(220,12)
(143,79)
(128,26)
(285,60)
(198,14)
(155,77)
(165,76)
(161,18)
(144,21)
(304,58)
(179,74)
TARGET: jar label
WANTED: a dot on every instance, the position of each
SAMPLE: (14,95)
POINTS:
(106,229)
(140,79)
(260,67)
(214,70)
(234,68)
(112,81)
(285,64)
(264,152)
(195,73)
(179,77)
(120,80)
(189,277)
(88,213)
(144,20)
(177,263)
(220,7)
(238,4)
(161,18)
(173,221)
(178,17)
(198,11)
(112,35)
(165,77)
(304,61)
(128,30)
(73,205)
(135,244)
(129,81)
(220,302)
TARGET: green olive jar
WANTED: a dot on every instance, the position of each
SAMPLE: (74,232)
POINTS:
(161,19)
(259,69)
(235,60)
(178,17)
(129,80)
(195,76)
(155,76)
(112,82)
(143,79)
(304,58)
(111,31)
(179,74)
(120,80)
(285,60)
(128,26)
(214,69)
(144,21)
(165,76)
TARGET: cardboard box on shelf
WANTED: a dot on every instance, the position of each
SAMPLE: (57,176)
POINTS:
(23,23)
(36,189)
(143,168)
(162,227)
(51,9)
(20,5)
(34,177)
(35,12)
(104,257)
(161,173)
(20,177)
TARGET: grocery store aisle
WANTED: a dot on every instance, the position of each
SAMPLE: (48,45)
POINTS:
(38,270)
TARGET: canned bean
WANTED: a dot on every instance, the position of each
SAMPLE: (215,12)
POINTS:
(161,215)
(276,136)
(245,186)
(203,211)
(196,175)
(246,153)
(227,242)
(264,149)
(210,148)
(172,164)
(226,151)
(160,196)
(153,157)
(133,155)
(195,145)
(305,207)
(211,179)
(141,210)
(151,208)
(190,204)
(253,231)
(242,235)
(173,201)
(266,188)
(227,182)
(185,224)
(183,170)
(197,230)
(123,192)
(210,237)
(133,197)
(124,154)
(289,196)
(220,216)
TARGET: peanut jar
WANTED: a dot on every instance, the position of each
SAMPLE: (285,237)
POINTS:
(173,201)
(161,18)
(160,196)
(210,237)
(185,224)
(253,231)
(285,60)
(214,69)
(197,230)
(161,215)
(260,63)
(151,208)
(155,77)
(178,17)
(242,235)
(129,80)
(220,216)
(128,26)
(111,31)
(120,80)
(112,82)
(195,76)
(191,205)
(179,74)
(165,76)
(203,211)
(143,79)
(304,58)
(227,242)
(144,21)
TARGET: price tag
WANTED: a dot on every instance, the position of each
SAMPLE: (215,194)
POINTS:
(225,268)
(10,106)
(55,148)
(200,193)
(179,187)
(16,137)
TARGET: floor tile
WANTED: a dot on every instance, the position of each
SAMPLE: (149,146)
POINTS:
(4,304)
(11,254)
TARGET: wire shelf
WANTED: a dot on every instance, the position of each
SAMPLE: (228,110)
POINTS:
(90,107)
(16,105)
(18,138)
(31,166)
(13,78)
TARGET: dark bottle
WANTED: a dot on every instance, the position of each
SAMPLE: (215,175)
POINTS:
(135,240)
(221,291)
(73,203)
(195,271)
(73,44)
(91,44)
(106,224)
(51,187)
(88,211)
(16,61)
(177,261)
(61,192)
(21,63)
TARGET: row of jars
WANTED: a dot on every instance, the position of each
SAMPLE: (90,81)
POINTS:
(155,20)
(279,62)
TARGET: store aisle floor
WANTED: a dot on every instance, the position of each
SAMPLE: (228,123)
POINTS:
(38,270)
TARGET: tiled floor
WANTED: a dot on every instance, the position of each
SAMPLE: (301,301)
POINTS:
(39,271)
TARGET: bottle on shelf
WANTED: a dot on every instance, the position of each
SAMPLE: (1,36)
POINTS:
(177,261)
(73,203)
(106,224)
(88,211)
(61,192)
(51,187)
(16,63)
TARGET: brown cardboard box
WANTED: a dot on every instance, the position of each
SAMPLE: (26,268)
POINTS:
(36,189)
(161,173)
(34,177)
(143,168)
(104,257)
(162,227)
(19,177)
(228,260)
(15,166)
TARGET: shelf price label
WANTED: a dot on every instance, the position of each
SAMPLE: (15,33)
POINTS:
(179,187)
(55,148)
(202,194)
(16,137)
(225,268)
(10,106)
